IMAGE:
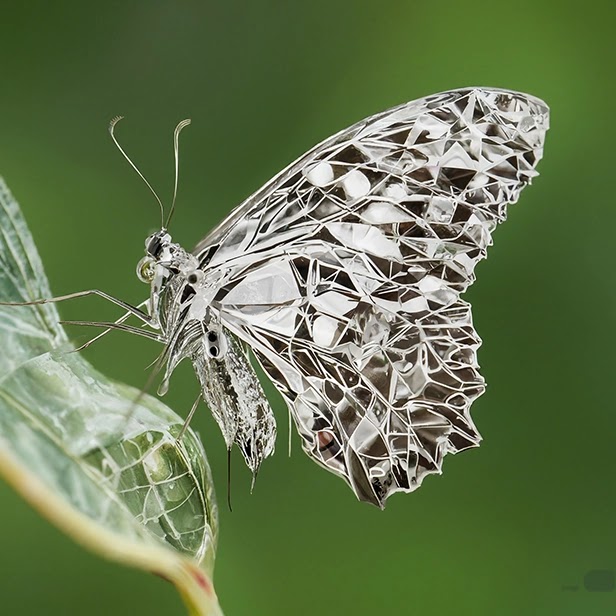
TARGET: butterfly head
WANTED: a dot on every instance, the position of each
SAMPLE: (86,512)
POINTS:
(163,258)
(158,252)
(167,268)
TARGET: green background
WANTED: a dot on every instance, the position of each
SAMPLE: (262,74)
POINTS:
(508,525)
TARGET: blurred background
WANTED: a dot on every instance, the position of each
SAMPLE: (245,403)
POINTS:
(510,528)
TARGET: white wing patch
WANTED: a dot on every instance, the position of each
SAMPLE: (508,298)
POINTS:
(271,285)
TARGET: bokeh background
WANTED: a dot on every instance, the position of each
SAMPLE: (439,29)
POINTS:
(510,528)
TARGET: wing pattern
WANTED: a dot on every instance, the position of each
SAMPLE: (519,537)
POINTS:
(344,275)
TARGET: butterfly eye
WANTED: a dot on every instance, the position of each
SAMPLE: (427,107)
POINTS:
(155,244)
(146,269)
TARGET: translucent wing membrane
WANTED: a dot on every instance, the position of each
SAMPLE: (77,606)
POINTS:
(344,275)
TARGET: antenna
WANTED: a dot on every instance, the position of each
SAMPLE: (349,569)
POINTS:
(112,126)
(176,153)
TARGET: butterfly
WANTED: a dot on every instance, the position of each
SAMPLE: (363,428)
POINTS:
(342,276)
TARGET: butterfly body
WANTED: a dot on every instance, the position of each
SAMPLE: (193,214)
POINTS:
(343,275)
(179,305)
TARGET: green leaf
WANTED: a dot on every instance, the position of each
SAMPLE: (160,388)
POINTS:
(107,472)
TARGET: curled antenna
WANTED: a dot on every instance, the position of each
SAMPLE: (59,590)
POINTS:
(176,153)
(112,126)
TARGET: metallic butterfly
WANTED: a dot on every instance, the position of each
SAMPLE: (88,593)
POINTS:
(343,277)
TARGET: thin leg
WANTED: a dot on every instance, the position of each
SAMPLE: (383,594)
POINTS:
(188,418)
(253,482)
(115,325)
(290,432)
(85,345)
(123,318)
(229,479)
(146,318)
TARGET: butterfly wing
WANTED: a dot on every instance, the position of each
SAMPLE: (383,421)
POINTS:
(344,275)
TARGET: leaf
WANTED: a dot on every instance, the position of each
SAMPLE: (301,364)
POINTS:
(107,472)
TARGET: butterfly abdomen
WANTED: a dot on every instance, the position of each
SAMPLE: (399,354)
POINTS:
(232,391)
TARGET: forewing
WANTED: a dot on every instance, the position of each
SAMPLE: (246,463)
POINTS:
(344,275)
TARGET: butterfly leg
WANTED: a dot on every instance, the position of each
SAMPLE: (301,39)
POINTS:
(119,326)
(123,318)
(146,318)
(188,418)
